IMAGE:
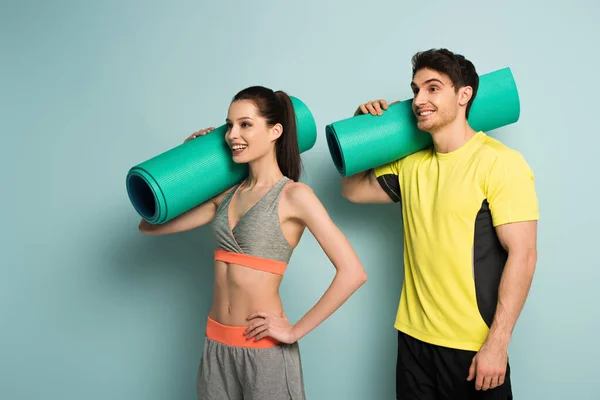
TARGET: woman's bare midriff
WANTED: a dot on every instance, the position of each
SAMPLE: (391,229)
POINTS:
(241,291)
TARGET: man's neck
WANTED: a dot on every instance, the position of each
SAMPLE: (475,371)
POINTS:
(452,137)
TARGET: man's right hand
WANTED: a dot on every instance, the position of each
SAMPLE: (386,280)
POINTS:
(201,132)
(374,107)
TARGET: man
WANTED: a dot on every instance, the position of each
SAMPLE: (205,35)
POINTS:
(470,212)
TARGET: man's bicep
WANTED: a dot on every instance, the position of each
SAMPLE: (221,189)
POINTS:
(518,237)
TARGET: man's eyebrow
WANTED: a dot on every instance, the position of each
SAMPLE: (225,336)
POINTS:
(414,85)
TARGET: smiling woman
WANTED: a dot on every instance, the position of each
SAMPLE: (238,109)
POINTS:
(252,113)
(175,181)
(251,348)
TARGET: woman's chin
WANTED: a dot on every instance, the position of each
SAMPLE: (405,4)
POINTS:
(244,157)
(239,159)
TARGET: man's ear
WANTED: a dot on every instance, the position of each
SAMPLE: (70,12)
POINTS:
(465,94)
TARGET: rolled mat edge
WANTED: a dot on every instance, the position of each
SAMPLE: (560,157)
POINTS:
(175,181)
(359,143)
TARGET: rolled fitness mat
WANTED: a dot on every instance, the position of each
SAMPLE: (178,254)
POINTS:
(183,177)
(367,141)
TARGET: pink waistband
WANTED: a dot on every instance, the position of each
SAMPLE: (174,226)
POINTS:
(234,336)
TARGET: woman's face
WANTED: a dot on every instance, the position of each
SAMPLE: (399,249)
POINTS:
(248,135)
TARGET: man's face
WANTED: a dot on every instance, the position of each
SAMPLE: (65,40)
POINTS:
(436,103)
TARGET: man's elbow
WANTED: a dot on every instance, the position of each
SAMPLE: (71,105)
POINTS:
(145,227)
(532,257)
(347,193)
(350,193)
(527,253)
(527,257)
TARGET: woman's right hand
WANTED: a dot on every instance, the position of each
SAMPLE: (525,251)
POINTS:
(201,132)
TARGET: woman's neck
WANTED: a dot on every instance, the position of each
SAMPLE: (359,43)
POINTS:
(263,172)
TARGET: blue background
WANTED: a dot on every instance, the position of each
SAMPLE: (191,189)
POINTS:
(92,309)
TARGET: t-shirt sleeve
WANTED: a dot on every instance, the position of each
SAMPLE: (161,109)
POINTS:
(387,176)
(511,190)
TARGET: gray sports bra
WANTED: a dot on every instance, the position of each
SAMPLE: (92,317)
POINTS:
(257,240)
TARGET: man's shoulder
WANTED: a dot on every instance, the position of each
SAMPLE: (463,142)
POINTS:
(502,160)
(495,150)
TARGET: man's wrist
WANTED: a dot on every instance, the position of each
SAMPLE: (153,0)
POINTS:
(498,339)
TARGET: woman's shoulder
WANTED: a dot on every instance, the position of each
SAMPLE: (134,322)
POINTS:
(299,195)
(292,190)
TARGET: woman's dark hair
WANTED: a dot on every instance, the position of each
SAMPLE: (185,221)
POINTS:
(460,70)
(276,107)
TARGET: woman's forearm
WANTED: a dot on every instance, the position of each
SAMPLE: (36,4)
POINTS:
(344,284)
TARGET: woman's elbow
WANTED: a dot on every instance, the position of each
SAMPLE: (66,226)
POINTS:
(363,278)
(359,277)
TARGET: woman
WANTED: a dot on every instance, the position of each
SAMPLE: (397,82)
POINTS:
(251,349)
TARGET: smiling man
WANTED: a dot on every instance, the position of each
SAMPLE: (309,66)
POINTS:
(470,212)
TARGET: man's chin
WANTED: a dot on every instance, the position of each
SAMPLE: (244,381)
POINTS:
(425,126)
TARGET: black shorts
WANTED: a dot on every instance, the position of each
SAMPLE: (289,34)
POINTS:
(426,372)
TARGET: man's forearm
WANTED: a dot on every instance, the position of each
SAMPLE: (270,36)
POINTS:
(512,293)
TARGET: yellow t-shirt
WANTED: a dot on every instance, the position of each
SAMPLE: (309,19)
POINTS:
(453,260)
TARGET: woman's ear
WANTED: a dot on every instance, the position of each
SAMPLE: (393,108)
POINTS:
(276,131)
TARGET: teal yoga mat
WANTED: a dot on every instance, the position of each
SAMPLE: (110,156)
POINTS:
(366,141)
(183,177)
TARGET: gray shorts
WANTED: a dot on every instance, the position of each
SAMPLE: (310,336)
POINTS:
(231,373)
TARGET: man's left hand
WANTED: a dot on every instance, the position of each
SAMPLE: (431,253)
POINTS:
(489,366)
